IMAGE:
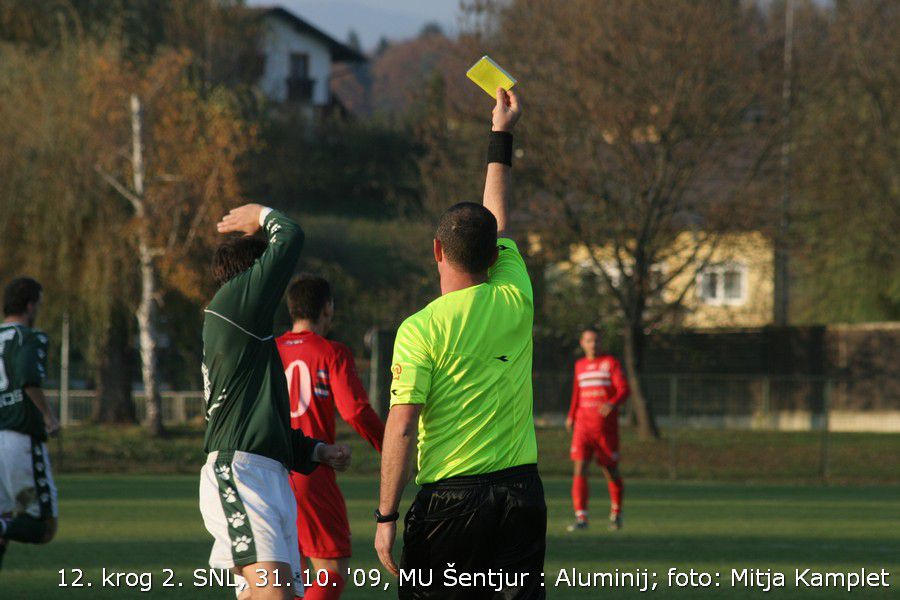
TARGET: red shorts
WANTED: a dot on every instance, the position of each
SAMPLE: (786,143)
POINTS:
(322,526)
(600,440)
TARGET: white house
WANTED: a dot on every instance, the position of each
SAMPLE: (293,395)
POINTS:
(298,58)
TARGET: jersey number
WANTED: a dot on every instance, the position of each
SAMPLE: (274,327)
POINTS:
(298,368)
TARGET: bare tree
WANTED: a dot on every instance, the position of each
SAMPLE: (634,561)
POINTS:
(147,308)
(183,174)
(641,140)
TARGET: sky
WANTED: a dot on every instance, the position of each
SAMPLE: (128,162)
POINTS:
(371,19)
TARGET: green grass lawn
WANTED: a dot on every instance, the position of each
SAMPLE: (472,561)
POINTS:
(151,522)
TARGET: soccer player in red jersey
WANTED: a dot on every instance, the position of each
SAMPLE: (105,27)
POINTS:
(599,389)
(321,374)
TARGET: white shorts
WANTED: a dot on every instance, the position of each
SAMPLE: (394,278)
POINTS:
(26,483)
(249,508)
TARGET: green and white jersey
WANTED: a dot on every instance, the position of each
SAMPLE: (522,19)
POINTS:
(247,403)
(466,357)
(23,363)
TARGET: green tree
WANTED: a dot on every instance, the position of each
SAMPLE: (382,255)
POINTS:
(846,176)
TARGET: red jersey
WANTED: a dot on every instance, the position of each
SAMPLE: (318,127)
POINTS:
(597,381)
(321,374)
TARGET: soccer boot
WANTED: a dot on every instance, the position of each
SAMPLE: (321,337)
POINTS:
(615,521)
(578,525)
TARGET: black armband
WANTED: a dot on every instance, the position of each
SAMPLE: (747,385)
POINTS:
(500,148)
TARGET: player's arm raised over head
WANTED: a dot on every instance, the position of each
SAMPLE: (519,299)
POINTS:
(498,184)
(264,285)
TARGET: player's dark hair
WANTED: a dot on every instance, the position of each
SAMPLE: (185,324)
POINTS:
(307,296)
(19,293)
(234,256)
(593,328)
(468,235)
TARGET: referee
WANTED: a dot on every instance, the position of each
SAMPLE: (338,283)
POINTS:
(462,377)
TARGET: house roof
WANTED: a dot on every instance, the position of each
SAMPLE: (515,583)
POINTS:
(339,52)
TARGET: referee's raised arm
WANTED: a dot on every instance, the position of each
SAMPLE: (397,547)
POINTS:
(497,185)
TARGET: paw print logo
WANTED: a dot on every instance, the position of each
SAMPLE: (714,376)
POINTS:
(229,496)
(45,497)
(241,543)
(39,467)
(223,472)
(237,519)
(37,451)
(41,482)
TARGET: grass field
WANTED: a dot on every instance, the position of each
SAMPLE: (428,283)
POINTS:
(151,522)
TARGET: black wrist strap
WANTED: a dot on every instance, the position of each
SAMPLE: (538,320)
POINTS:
(500,148)
(380,518)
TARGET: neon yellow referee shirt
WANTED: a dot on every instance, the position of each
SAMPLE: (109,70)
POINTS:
(466,357)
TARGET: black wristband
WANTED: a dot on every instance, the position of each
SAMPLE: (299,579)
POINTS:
(380,518)
(500,148)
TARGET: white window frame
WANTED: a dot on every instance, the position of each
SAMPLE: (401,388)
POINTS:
(720,270)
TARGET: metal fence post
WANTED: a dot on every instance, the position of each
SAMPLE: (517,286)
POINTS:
(180,409)
(64,373)
(382,341)
(825,465)
(673,417)
(63,396)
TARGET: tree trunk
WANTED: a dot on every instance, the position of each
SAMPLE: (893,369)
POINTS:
(634,354)
(146,318)
(146,312)
(113,403)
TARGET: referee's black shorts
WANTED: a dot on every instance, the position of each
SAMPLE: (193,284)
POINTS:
(492,528)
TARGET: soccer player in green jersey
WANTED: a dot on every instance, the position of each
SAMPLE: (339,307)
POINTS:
(28,508)
(462,378)
(245,493)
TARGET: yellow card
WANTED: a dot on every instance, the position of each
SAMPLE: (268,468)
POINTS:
(489,76)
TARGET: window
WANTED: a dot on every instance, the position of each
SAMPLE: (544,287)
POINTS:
(299,84)
(723,284)
(299,65)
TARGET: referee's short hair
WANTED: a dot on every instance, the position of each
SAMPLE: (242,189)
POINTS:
(307,296)
(19,293)
(468,235)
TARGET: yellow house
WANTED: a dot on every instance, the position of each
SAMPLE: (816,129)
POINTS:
(730,278)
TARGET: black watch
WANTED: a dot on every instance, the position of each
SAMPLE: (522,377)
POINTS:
(380,518)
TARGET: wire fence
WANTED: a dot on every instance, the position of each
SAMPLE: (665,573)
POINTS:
(696,401)
(741,427)
(178,408)
(751,426)
(749,402)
